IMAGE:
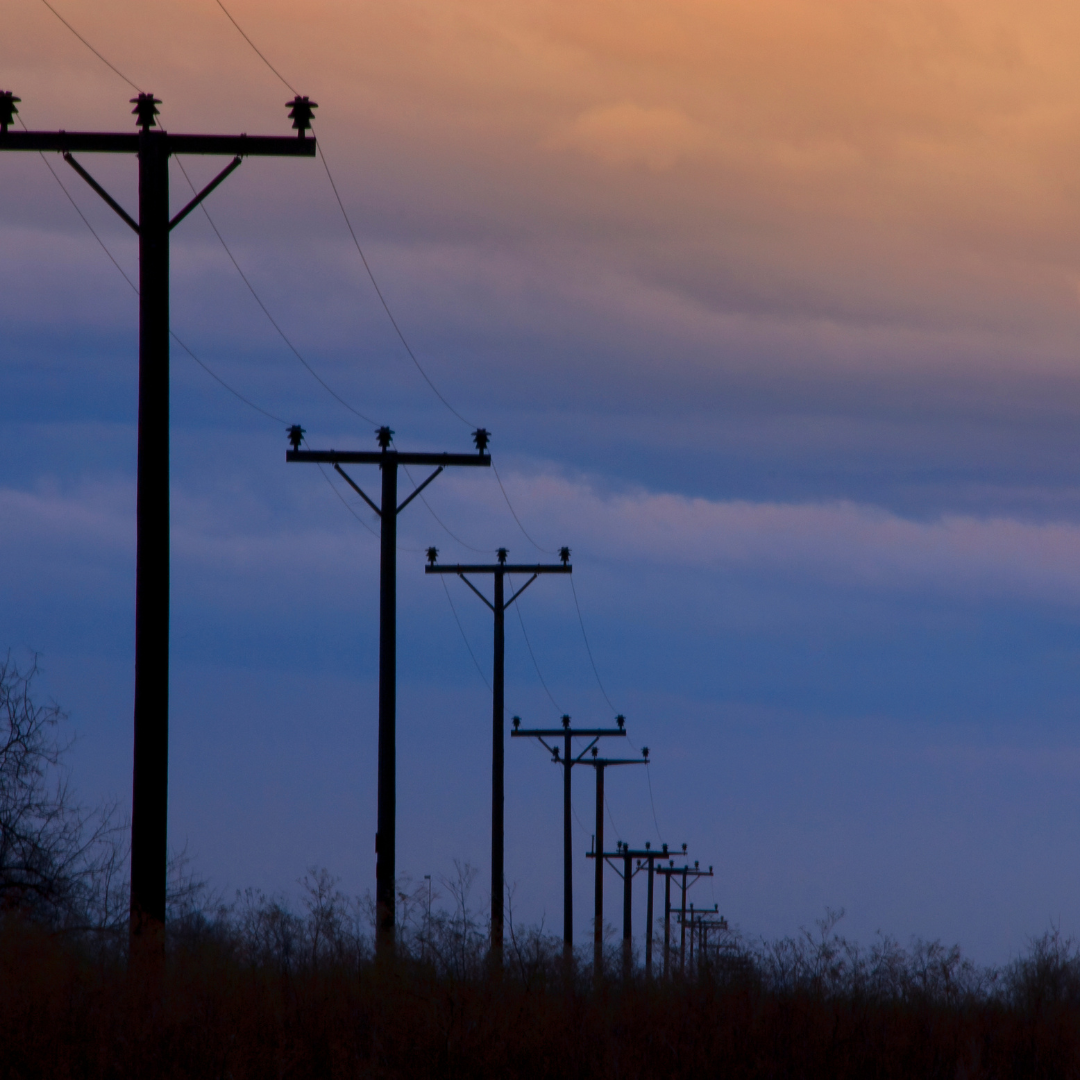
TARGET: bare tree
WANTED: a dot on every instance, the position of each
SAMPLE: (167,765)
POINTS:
(60,862)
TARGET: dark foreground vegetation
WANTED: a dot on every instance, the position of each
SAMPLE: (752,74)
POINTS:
(256,989)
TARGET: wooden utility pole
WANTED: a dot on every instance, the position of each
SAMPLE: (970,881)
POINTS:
(567,760)
(498,606)
(600,764)
(388,509)
(153,147)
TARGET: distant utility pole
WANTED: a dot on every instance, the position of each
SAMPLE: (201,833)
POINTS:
(687,876)
(599,764)
(498,572)
(568,761)
(626,856)
(388,460)
(150,776)
(701,921)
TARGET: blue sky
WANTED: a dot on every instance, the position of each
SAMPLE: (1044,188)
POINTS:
(789,367)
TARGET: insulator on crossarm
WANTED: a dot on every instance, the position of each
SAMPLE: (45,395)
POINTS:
(301,113)
(7,110)
(146,108)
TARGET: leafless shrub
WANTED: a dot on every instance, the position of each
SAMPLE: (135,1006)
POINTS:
(60,863)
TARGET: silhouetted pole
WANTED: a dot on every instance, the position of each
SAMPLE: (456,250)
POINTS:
(600,764)
(598,885)
(388,461)
(687,875)
(682,928)
(499,607)
(568,865)
(567,761)
(150,771)
(627,896)
(667,922)
(649,920)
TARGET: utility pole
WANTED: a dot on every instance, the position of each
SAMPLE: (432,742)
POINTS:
(651,857)
(154,147)
(387,509)
(701,921)
(599,764)
(567,761)
(626,856)
(498,607)
(687,875)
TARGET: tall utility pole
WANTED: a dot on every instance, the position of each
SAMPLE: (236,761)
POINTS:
(154,147)
(388,509)
(498,607)
(567,761)
(599,764)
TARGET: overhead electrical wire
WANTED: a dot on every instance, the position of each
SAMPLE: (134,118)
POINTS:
(390,315)
(464,638)
(112,67)
(352,232)
(258,53)
(266,311)
(532,655)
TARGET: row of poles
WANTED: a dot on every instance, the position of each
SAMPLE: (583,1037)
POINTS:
(153,225)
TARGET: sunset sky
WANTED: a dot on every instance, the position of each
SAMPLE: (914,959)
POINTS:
(773,310)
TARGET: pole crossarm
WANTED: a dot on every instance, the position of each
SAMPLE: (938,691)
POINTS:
(495,568)
(384,457)
(94,142)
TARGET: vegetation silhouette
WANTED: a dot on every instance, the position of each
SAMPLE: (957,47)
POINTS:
(260,986)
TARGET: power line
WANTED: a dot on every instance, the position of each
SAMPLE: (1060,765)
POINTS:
(112,67)
(382,299)
(232,390)
(516,518)
(532,655)
(333,488)
(355,239)
(476,662)
(585,637)
(266,311)
(443,525)
(258,53)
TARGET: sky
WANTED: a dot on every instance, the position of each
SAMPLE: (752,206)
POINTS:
(771,309)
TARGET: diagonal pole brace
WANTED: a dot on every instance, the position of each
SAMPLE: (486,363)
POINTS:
(233,165)
(520,591)
(101,191)
(356,487)
(477,591)
(419,489)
